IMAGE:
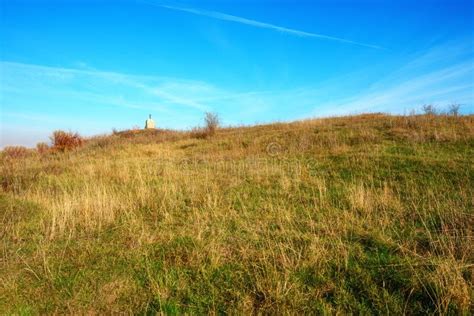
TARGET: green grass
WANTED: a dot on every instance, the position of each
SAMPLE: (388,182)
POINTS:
(368,214)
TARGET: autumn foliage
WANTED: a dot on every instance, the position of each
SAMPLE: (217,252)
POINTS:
(15,152)
(63,141)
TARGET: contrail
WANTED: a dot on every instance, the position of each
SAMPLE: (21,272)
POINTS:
(238,19)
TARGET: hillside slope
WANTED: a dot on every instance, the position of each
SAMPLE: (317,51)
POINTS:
(362,214)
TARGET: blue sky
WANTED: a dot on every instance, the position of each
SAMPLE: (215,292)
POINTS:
(90,66)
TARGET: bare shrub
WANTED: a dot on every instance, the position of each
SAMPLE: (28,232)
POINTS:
(15,152)
(454,109)
(429,109)
(62,141)
(212,122)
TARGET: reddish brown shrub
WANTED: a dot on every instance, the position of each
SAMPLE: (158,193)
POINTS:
(63,141)
(14,152)
(42,148)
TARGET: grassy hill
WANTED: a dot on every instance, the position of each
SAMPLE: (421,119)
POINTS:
(361,214)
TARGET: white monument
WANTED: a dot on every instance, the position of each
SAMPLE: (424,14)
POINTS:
(149,123)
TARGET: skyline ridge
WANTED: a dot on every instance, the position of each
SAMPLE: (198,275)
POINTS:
(110,64)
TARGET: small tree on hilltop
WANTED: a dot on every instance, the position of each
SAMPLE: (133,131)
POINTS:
(212,123)
(429,109)
(454,109)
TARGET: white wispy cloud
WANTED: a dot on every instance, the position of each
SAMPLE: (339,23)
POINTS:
(91,84)
(93,101)
(259,24)
(441,75)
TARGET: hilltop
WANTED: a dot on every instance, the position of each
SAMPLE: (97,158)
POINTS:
(362,214)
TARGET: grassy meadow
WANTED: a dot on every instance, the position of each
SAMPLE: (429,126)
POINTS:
(367,214)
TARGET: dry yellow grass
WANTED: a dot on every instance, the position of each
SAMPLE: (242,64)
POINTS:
(363,214)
